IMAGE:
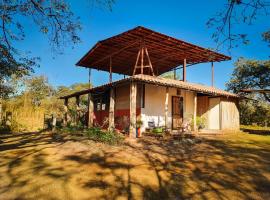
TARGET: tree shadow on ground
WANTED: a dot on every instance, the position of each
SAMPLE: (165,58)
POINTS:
(22,159)
(256,131)
(143,169)
(184,171)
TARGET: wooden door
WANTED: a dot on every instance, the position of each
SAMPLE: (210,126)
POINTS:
(177,112)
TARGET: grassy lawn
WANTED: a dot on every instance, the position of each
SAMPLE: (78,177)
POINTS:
(229,166)
(256,129)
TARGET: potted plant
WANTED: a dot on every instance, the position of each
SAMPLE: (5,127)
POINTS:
(200,123)
(139,124)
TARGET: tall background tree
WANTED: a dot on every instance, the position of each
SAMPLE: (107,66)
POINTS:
(54,18)
(255,107)
(36,99)
(237,12)
(251,74)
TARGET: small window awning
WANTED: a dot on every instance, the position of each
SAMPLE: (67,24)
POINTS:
(165,52)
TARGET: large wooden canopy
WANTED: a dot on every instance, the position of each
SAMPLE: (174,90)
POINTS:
(165,52)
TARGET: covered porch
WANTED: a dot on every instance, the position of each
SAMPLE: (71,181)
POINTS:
(155,101)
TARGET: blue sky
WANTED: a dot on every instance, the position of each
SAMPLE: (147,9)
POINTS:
(181,19)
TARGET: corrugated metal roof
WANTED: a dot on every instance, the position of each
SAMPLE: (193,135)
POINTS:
(165,52)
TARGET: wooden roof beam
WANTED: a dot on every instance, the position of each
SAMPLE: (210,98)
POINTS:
(115,53)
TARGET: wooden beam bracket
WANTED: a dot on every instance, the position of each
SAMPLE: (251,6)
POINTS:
(140,56)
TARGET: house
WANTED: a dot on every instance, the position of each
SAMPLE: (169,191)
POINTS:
(142,55)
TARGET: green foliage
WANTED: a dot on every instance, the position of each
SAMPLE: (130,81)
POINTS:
(158,130)
(200,122)
(266,36)
(54,19)
(4,129)
(254,112)
(12,69)
(170,75)
(96,134)
(36,98)
(139,123)
(252,74)
(254,127)
(38,89)
(108,137)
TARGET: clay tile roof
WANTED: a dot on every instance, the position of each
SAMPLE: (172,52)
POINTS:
(183,85)
(165,52)
(162,82)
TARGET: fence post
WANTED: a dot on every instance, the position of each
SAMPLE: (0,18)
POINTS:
(53,122)
(1,111)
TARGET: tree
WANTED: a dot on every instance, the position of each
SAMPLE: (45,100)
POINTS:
(237,12)
(250,74)
(252,111)
(10,68)
(38,88)
(54,18)
(170,75)
(254,108)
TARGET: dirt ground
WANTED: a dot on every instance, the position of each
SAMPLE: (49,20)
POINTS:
(229,166)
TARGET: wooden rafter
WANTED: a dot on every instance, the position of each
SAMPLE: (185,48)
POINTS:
(143,50)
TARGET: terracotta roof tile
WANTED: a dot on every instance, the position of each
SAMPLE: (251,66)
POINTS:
(162,82)
(182,85)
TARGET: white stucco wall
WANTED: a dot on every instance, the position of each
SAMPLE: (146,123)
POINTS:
(222,114)
(154,109)
(214,114)
(229,115)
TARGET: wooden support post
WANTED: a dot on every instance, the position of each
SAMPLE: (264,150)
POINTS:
(149,62)
(195,112)
(111,111)
(90,111)
(53,121)
(142,60)
(212,69)
(142,65)
(174,74)
(166,108)
(66,112)
(137,59)
(110,69)
(184,69)
(133,97)
(77,110)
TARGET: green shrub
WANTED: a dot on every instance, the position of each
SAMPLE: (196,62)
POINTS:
(200,122)
(100,135)
(72,129)
(95,133)
(4,129)
(158,130)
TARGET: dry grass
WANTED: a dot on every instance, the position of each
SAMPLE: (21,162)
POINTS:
(233,166)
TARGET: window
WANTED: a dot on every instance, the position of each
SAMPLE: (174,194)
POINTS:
(178,92)
(98,106)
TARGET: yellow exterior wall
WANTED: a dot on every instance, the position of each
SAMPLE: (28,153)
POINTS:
(154,109)
(122,97)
